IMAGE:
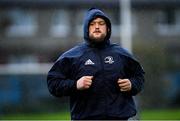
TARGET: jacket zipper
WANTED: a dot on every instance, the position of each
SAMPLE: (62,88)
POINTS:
(102,71)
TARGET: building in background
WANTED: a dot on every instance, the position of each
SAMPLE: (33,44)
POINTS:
(40,30)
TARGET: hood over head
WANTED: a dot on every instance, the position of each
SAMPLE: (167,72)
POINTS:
(92,14)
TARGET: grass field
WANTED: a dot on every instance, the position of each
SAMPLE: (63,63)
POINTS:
(145,115)
(172,114)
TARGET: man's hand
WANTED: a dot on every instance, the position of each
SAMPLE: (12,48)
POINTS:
(124,84)
(84,82)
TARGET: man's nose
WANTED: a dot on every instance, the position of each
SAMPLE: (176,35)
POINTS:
(96,25)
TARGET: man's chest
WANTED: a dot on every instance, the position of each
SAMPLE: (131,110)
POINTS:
(98,63)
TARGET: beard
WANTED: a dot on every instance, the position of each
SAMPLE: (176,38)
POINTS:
(97,40)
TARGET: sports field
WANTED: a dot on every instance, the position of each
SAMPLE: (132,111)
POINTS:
(172,114)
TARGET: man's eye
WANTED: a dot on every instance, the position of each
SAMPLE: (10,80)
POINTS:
(91,24)
(101,23)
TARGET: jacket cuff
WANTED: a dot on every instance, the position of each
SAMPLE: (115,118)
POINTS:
(73,86)
(133,90)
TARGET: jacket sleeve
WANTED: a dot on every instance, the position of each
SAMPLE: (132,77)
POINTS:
(136,75)
(58,79)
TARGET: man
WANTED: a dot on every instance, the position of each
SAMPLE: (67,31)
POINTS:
(99,77)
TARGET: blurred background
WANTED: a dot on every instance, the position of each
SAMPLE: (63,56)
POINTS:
(34,33)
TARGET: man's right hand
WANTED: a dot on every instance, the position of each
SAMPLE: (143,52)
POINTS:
(84,82)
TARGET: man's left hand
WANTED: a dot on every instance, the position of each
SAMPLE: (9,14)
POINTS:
(124,84)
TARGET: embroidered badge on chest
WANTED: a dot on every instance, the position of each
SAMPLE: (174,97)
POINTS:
(109,60)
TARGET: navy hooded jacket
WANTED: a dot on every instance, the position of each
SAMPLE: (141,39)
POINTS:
(106,63)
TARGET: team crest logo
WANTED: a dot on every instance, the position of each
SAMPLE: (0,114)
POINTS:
(109,60)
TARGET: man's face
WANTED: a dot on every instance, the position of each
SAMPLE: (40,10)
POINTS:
(97,30)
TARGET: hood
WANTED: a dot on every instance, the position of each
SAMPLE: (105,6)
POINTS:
(92,14)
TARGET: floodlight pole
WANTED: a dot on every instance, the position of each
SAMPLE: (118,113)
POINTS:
(125,28)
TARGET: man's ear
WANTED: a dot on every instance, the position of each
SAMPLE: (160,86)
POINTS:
(108,30)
